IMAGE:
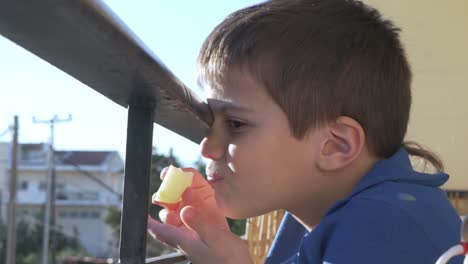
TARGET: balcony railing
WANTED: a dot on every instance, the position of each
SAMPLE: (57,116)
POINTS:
(87,41)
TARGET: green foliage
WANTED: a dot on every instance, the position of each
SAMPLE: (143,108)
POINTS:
(29,243)
(237,226)
(200,166)
(3,235)
(113,219)
(66,252)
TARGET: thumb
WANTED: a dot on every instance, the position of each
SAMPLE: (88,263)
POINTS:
(208,232)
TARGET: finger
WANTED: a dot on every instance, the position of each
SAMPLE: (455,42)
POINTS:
(198,180)
(210,234)
(163,173)
(197,196)
(169,206)
(163,215)
(173,218)
(199,191)
(170,217)
(167,234)
(203,199)
(181,238)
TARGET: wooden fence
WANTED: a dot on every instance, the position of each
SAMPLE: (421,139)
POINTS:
(260,232)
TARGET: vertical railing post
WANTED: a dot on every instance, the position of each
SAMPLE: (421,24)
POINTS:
(136,183)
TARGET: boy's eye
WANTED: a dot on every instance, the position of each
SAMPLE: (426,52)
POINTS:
(234,124)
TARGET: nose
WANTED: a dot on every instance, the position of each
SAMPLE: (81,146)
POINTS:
(212,146)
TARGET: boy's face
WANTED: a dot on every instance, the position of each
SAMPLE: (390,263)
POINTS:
(256,165)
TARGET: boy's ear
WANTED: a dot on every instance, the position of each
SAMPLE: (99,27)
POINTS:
(342,142)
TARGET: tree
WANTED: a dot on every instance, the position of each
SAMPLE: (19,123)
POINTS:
(3,232)
(29,242)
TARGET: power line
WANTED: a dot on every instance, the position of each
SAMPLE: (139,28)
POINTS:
(5,132)
(92,177)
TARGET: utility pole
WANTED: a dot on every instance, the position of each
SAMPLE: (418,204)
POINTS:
(11,232)
(49,218)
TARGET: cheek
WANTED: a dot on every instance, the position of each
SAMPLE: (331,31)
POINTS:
(261,156)
(244,155)
(241,160)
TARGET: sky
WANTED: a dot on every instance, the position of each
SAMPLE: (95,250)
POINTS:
(30,87)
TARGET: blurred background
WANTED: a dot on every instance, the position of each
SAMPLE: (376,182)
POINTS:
(90,148)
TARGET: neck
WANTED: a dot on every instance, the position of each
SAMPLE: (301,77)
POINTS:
(337,186)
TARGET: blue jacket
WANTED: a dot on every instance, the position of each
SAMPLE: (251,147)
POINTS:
(394,215)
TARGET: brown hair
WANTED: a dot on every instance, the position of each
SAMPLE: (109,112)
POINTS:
(319,59)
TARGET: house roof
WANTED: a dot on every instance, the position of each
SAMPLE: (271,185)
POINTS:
(87,158)
(36,154)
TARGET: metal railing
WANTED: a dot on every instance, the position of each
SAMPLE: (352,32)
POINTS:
(167,259)
(88,41)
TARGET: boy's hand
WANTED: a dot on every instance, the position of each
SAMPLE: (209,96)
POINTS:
(198,228)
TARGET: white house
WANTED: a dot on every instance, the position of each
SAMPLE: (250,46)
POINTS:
(87,184)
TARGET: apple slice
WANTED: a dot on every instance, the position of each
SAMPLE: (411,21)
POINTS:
(173,186)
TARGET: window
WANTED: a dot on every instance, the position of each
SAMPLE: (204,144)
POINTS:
(22,213)
(95,214)
(72,214)
(91,196)
(84,214)
(23,185)
(33,155)
(61,196)
(42,186)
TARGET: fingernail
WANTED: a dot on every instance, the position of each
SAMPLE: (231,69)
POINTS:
(163,215)
(190,214)
(163,172)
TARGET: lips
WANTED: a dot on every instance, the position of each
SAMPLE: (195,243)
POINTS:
(216,171)
(214,177)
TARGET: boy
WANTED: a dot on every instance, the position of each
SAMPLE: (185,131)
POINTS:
(311,101)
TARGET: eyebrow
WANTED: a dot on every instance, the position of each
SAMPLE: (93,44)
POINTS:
(224,106)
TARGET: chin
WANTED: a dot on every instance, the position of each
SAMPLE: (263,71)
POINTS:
(236,209)
(232,211)
(236,214)
(239,212)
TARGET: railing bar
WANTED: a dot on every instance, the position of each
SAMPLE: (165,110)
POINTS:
(136,184)
(167,259)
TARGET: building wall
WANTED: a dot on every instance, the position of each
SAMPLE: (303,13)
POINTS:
(435,36)
(70,185)
(81,205)
(115,166)
(87,223)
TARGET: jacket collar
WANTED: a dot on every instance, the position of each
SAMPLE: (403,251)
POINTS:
(397,168)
